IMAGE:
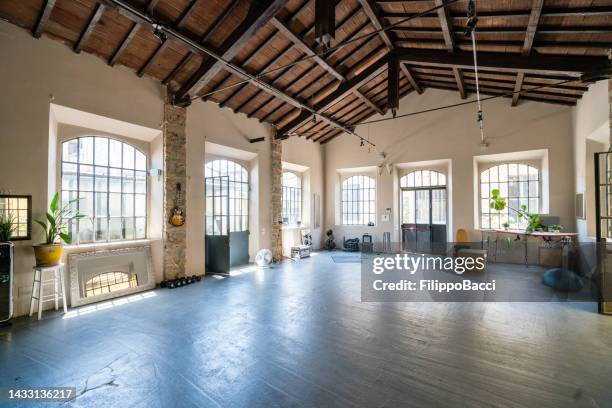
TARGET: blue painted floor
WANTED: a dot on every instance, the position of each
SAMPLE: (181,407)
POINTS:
(298,335)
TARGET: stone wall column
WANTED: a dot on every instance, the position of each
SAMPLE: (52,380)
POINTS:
(174,172)
(277,204)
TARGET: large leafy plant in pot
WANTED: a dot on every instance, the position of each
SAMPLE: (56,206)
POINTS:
(533,220)
(56,231)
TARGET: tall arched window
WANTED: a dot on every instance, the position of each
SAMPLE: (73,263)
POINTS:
(519,184)
(292,198)
(227,197)
(109,178)
(358,200)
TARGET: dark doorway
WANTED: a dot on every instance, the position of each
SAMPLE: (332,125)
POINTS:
(423,202)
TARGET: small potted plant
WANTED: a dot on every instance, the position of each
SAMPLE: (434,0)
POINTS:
(56,230)
(7,226)
(556,228)
(506,225)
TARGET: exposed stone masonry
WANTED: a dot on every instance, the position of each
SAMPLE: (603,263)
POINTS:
(277,173)
(175,238)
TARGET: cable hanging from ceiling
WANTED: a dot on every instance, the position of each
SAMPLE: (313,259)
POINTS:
(472,21)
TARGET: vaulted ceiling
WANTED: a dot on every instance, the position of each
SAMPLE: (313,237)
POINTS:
(260,57)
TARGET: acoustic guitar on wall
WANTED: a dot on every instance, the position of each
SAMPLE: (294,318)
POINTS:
(177,218)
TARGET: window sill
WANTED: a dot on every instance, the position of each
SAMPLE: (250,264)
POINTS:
(104,245)
(294,226)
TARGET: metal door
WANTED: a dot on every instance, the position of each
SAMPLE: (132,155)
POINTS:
(217,224)
(423,219)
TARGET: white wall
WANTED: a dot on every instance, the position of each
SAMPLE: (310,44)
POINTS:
(34,70)
(453,135)
(305,153)
(591,130)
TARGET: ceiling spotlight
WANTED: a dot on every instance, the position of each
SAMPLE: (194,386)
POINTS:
(158,31)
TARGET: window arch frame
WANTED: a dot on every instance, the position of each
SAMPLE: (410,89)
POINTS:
(291,198)
(406,178)
(533,180)
(356,206)
(139,214)
(234,184)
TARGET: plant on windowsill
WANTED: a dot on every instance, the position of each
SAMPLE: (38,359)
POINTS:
(7,226)
(557,228)
(49,253)
(506,225)
(533,220)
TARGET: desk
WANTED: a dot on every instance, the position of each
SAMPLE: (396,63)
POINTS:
(549,238)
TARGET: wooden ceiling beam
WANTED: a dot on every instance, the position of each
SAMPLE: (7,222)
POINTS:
(369,7)
(268,65)
(604,11)
(579,46)
(95,17)
(280,73)
(43,18)
(511,30)
(446,26)
(460,82)
(158,51)
(532,26)
(340,93)
(124,44)
(219,21)
(449,40)
(259,14)
(307,50)
(184,61)
(151,6)
(572,66)
(186,14)
(306,73)
(415,85)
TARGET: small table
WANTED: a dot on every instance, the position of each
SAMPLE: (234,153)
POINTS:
(564,238)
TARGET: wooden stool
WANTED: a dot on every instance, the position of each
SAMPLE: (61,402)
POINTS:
(57,281)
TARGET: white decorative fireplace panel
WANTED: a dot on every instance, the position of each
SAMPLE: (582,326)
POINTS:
(102,275)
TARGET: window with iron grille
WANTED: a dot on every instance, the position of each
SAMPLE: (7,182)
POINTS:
(519,184)
(227,197)
(292,198)
(358,201)
(109,177)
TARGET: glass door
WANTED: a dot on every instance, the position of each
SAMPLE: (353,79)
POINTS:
(423,219)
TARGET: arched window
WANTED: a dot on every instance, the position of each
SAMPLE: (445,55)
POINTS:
(227,197)
(109,282)
(358,200)
(109,178)
(292,198)
(423,178)
(519,184)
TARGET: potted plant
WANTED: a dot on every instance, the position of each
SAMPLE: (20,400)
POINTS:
(56,230)
(506,225)
(556,228)
(533,220)
(7,226)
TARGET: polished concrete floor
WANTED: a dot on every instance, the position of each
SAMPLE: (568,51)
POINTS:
(298,335)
